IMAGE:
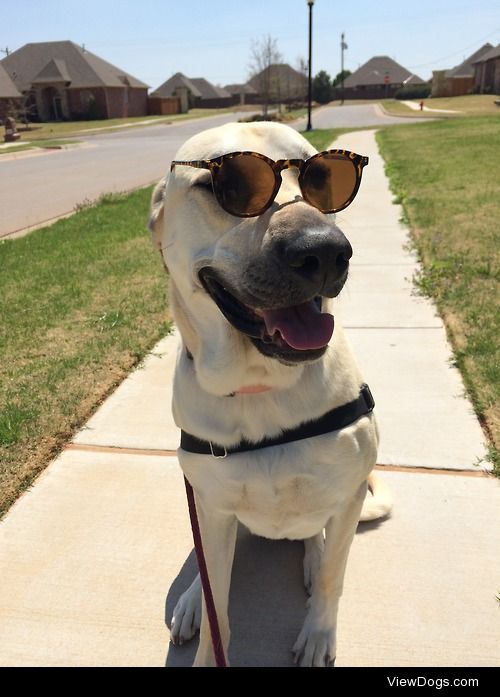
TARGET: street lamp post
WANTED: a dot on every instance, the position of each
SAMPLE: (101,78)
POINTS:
(309,96)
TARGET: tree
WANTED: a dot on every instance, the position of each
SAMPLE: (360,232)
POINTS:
(322,87)
(263,55)
(302,69)
(337,83)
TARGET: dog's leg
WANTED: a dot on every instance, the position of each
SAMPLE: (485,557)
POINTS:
(187,614)
(313,552)
(316,644)
(218,532)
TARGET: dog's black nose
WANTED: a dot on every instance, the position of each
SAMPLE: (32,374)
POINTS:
(319,257)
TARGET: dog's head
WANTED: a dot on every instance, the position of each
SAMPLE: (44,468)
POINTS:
(263,281)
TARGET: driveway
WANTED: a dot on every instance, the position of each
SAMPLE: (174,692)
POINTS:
(40,186)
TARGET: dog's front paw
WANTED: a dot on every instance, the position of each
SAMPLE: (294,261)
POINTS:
(315,646)
(187,614)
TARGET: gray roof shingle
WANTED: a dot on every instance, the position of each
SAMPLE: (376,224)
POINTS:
(279,72)
(64,59)
(373,72)
(207,90)
(167,88)
(54,71)
(240,88)
(198,86)
(8,90)
(493,52)
(466,69)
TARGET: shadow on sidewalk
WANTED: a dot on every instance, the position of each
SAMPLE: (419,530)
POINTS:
(266,606)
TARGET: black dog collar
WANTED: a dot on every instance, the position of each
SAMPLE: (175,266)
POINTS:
(333,420)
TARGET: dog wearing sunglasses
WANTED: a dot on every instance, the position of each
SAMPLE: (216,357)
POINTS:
(244,222)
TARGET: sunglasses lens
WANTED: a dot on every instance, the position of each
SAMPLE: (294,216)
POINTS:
(329,182)
(244,185)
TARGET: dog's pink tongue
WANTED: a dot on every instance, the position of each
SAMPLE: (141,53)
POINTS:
(301,326)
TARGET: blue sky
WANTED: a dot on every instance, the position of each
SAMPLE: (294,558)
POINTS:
(152,39)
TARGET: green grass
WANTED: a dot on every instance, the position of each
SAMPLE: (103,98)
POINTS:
(467,105)
(55,144)
(447,176)
(81,302)
(322,138)
(63,129)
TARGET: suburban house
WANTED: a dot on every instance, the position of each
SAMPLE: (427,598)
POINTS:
(280,83)
(211,95)
(378,78)
(200,92)
(10,97)
(460,79)
(487,72)
(242,93)
(64,81)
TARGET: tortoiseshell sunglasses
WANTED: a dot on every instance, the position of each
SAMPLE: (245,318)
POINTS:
(246,183)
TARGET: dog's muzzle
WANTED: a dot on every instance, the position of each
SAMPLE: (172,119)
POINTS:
(276,297)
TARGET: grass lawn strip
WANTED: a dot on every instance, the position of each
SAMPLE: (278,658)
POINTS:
(323,137)
(468,105)
(56,144)
(446,174)
(63,129)
(81,303)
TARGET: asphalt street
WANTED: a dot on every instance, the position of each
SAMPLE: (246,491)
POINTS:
(38,186)
(353,116)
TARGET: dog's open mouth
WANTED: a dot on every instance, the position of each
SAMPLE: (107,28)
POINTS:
(296,333)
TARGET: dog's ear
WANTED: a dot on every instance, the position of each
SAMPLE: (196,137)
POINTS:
(156,212)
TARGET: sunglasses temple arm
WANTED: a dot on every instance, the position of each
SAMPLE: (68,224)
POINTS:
(198,164)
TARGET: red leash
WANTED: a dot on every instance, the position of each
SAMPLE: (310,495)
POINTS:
(220,659)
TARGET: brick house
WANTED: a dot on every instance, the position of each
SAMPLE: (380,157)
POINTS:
(460,79)
(378,78)
(10,97)
(201,93)
(175,86)
(280,83)
(487,72)
(242,93)
(64,81)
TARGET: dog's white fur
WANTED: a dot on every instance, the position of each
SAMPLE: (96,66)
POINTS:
(294,491)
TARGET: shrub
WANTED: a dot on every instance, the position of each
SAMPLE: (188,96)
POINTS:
(413,92)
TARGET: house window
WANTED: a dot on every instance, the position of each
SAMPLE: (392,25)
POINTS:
(86,99)
(90,110)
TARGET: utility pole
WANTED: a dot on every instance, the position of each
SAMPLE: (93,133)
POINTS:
(309,96)
(5,50)
(343,46)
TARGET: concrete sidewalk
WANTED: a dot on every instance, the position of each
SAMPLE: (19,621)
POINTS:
(94,556)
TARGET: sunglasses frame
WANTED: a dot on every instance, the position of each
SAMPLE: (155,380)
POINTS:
(215,164)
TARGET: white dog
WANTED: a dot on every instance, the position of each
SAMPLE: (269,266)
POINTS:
(255,258)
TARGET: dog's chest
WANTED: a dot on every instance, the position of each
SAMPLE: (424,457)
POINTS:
(292,506)
(287,491)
